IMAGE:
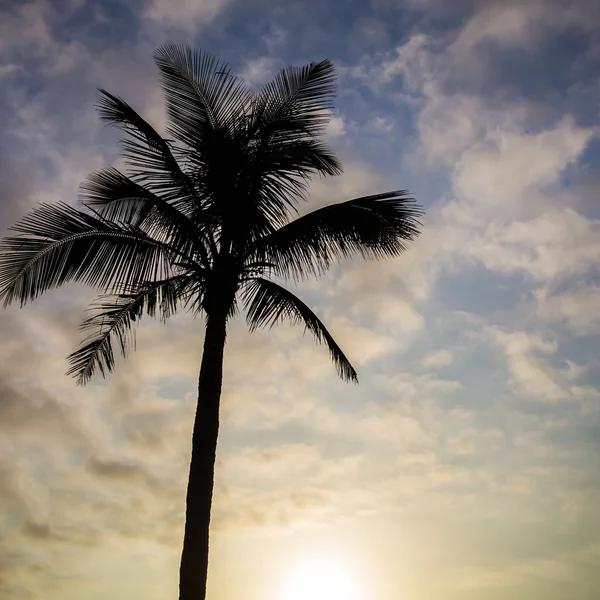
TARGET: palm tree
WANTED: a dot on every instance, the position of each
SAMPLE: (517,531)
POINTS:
(203,221)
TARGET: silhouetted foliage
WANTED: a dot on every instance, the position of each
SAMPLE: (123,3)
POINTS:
(204,220)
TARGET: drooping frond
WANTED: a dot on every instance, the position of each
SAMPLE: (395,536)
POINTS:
(377,226)
(114,318)
(267,303)
(119,199)
(200,93)
(149,156)
(61,244)
(297,103)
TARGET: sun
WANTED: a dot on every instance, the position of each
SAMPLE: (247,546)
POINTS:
(321,581)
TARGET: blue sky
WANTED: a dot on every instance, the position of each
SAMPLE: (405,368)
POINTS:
(465,465)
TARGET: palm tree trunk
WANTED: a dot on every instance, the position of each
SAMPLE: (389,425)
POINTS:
(193,571)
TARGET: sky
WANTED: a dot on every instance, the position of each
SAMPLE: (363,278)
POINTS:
(466,463)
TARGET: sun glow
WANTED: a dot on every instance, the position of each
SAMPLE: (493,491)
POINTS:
(321,581)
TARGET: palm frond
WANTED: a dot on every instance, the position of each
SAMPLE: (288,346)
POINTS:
(115,317)
(200,93)
(297,103)
(267,303)
(373,227)
(59,243)
(119,199)
(150,157)
(285,171)
(275,180)
(303,158)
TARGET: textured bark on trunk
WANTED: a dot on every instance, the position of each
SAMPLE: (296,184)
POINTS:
(193,571)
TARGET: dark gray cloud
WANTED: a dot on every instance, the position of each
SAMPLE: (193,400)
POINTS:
(41,532)
(36,414)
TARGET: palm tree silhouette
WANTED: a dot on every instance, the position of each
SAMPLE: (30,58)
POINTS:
(203,221)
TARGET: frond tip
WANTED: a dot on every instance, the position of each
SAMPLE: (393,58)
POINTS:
(115,317)
(372,227)
(267,303)
(58,244)
(200,95)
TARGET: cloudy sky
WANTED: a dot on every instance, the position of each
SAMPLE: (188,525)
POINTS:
(466,464)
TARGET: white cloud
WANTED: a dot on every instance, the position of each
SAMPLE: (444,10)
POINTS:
(361,343)
(440,358)
(490,171)
(574,370)
(510,218)
(502,215)
(260,70)
(447,126)
(521,24)
(470,442)
(413,61)
(389,313)
(558,244)
(336,126)
(577,308)
(532,374)
(359,178)
(383,124)
(509,23)
(388,424)
(417,392)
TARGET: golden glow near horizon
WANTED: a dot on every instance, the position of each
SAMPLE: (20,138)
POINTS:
(322,579)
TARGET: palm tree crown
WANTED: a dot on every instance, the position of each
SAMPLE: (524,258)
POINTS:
(203,219)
